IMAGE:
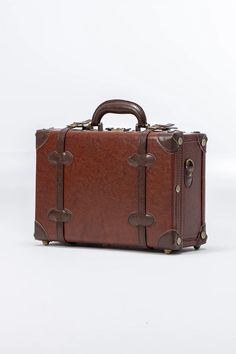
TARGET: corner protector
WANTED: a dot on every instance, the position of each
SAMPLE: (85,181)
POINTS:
(42,136)
(171,142)
(202,236)
(170,240)
(202,141)
(39,232)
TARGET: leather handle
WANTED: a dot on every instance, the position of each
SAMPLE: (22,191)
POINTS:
(120,107)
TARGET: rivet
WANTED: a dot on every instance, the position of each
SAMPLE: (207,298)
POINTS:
(177,188)
(179,241)
(203,235)
(180,141)
(203,142)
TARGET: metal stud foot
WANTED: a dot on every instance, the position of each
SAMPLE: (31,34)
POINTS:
(167,251)
(196,247)
(45,242)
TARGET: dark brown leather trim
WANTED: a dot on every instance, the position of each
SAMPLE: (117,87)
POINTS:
(177,215)
(41,137)
(59,215)
(64,158)
(136,219)
(170,142)
(60,188)
(142,187)
(141,219)
(203,189)
(141,160)
(169,241)
(39,232)
(121,107)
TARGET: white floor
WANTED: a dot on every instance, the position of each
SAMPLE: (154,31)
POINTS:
(61,299)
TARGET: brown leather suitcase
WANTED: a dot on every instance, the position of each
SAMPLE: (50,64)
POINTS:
(140,189)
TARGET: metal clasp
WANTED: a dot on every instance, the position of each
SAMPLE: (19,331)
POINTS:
(162,127)
(85,124)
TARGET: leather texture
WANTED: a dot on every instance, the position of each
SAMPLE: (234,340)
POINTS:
(119,188)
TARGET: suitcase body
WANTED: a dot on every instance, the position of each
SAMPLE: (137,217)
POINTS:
(141,189)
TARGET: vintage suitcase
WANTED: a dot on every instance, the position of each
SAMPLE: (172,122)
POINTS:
(140,189)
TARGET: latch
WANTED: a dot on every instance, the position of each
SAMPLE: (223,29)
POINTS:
(84,125)
(162,127)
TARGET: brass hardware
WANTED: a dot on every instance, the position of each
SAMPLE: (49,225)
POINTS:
(179,241)
(196,247)
(167,251)
(180,140)
(85,124)
(177,188)
(203,235)
(204,141)
(168,126)
(45,242)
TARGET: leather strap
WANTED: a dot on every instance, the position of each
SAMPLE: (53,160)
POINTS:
(60,183)
(142,150)
(141,160)
(120,107)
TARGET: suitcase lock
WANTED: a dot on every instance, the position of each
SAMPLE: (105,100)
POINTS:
(188,176)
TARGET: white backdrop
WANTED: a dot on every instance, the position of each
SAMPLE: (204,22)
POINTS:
(58,61)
